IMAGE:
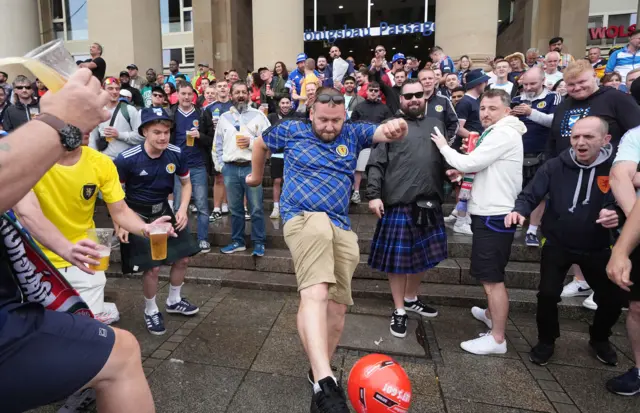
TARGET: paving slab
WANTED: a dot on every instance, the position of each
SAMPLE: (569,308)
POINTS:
(586,387)
(132,320)
(192,387)
(466,406)
(491,380)
(450,334)
(361,332)
(271,393)
(227,347)
(283,354)
(257,308)
(528,320)
(372,306)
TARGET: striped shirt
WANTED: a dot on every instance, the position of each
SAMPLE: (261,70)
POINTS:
(623,61)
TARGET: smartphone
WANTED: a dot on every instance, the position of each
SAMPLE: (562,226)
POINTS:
(514,104)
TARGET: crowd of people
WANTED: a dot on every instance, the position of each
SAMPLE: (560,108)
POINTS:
(548,139)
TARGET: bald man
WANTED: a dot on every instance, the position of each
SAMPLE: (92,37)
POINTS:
(551,72)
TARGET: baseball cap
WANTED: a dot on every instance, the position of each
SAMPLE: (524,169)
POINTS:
(204,64)
(124,73)
(262,68)
(148,115)
(132,66)
(301,58)
(398,56)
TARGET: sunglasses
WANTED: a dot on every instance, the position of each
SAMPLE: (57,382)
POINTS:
(379,50)
(23,87)
(338,100)
(374,90)
(409,96)
(402,62)
(157,95)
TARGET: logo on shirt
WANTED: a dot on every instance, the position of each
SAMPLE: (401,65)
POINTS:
(439,108)
(143,173)
(196,123)
(157,111)
(541,105)
(88,191)
(603,184)
(573,119)
(342,150)
(171,168)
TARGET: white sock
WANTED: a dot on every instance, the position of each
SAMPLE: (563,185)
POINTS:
(533,229)
(581,282)
(171,203)
(225,207)
(216,209)
(316,386)
(276,204)
(174,294)
(401,311)
(411,299)
(150,307)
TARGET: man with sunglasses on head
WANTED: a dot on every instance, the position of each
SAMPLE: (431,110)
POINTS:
(438,107)
(26,106)
(320,158)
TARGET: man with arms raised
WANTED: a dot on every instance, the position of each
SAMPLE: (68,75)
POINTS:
(320,159)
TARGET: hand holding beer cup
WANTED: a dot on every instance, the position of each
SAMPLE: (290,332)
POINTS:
(102,239)
(110,133)
(82,254)
(242,141)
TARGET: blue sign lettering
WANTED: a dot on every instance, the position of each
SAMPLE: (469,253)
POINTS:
(385,29)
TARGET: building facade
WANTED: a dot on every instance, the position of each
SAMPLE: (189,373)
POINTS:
(247,34)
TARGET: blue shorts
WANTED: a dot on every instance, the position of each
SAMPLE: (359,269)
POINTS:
(46,356)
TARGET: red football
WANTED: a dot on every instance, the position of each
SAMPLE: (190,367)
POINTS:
(378,384)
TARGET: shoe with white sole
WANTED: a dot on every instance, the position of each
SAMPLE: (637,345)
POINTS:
(461,227)
(225,209)
(483,345)
(480,314)
(109,314)
(452,217)
(576,289)
(589,303)
(275,214)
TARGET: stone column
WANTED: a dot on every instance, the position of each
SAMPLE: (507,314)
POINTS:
(574,18)
(129,31)
(278,29)
(20,27)
(467,27)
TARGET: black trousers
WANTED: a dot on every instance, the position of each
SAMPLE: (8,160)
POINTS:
(554,265)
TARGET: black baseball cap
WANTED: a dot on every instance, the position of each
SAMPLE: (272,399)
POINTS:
(124,73)
(262,68)
(158,89)
(132,66)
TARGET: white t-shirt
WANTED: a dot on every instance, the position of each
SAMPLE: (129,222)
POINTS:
(551,80)
(507,87)
(629,149)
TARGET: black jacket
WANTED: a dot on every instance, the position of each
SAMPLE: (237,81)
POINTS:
(577,193)
(392,94)
(441,108)
(374,112)
(412,169)
(617,108)
(205,143)
(18,114)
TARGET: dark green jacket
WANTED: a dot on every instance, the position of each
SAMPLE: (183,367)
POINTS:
(279,91)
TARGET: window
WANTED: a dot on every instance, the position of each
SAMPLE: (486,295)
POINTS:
(58,30)
(176,16)
(620,20)
(594,23)
(189,55)
(391,12)
(184,56)
(57,10)
(70,21)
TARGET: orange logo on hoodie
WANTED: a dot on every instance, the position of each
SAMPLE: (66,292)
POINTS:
(603,184)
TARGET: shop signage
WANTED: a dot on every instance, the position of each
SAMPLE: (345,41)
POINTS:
(385,29)
(611,32)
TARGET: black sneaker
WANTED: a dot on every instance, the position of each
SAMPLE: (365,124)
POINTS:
(215,215)
(541,353)
(627,384)
(330,398)
(604,352)
(531,240)
(80,401)
(420,308)
(398,325)
(310,374)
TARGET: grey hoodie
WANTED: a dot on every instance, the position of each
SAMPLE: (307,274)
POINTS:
(128,138)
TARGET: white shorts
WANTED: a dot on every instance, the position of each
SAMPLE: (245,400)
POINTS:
(363,159)
(90,287)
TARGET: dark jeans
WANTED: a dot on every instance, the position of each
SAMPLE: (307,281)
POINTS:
(554,265)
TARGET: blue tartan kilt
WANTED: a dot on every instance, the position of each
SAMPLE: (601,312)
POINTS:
(399,247)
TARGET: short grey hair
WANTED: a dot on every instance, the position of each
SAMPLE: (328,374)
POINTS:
(21,79)
(505,98)
(533,50)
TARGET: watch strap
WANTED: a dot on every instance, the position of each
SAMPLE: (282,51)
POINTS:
(53,121)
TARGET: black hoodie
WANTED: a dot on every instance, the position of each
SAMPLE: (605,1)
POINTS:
(619,110)
(374,112)
(17,115)
(577,194)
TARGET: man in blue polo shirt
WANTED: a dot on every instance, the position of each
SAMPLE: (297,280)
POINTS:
(297,76)
(535,108)
(148,171)
(320,159)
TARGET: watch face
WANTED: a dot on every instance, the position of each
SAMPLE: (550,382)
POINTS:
(71,137)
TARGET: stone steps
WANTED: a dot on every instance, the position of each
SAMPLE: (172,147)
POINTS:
(521,300)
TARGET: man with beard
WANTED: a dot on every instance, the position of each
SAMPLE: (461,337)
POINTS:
(320,158)
(277,159)
(351,98)
(374,111)
(405,187)
(324,69)
(236,134)
(5,86)
(135,80)
(26,106)
(555,45)
(340,68)
(135,93)
(146,90)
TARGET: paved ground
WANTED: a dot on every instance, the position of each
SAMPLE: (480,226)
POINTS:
(241,353)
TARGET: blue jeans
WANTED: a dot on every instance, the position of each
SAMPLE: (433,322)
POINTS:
(234,181)
(200,190)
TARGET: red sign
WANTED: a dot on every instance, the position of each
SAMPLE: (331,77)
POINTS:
(611,32)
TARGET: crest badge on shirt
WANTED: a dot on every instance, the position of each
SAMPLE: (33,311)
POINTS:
(171,168)
(196,123)
(541,105)
(342,150)
(88,191)
(439,108)
(603,184)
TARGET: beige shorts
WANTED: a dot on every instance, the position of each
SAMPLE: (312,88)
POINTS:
(322,253)
(363,160)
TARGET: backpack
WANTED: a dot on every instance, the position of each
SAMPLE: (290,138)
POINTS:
(122,107)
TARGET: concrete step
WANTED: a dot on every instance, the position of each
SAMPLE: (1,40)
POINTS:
(521,300)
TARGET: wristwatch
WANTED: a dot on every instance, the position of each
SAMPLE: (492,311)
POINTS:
(70,136)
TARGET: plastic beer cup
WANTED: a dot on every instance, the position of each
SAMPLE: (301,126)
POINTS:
(190,139)
(102,237)
(158,240)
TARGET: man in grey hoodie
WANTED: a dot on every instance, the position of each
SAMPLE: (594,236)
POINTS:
(120,132)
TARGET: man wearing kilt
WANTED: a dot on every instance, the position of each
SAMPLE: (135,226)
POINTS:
(320,157)
(404,183)
(148,171)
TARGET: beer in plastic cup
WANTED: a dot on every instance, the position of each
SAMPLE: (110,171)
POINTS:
(102,237)
(158,240)
(238,144)
(264,109)
(109,138)
(190,139)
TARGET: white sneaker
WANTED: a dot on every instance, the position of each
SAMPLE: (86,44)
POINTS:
(109,314)
(452,217)
(485,344)
(589,303)
(461,227)
(576,289)
(481,315)
(276,212)
(225,209)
